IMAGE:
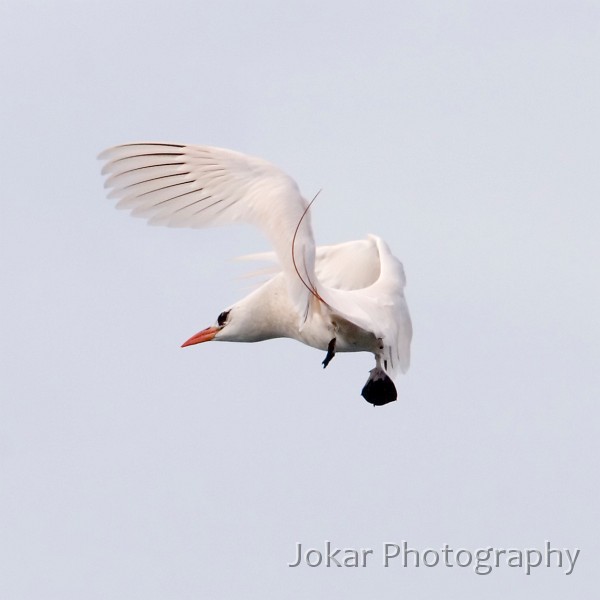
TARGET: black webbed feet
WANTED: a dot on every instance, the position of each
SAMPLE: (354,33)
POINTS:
(330,353)
(379,389)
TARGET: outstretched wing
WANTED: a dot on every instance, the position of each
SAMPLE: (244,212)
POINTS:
(180,185)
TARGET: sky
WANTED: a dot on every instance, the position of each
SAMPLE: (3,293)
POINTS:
(466,135)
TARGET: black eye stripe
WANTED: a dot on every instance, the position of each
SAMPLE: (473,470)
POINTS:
(222,318)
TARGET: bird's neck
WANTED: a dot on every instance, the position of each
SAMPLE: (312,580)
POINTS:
(269,313)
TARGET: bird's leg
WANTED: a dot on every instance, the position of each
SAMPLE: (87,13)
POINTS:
(330,353)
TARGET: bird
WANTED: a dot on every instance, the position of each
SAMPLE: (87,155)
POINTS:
(347,297)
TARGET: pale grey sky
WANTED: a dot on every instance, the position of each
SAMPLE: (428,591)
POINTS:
(465,134)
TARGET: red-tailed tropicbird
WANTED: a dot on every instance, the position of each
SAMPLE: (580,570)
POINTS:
(343,298)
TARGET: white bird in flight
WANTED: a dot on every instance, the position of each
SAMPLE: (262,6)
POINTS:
(343,298)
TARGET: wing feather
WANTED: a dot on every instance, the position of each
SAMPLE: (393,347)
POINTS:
(181,185)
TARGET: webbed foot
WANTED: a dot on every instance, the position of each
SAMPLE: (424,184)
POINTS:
(379,389)
(330,353)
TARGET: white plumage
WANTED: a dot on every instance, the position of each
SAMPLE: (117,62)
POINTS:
(343,298)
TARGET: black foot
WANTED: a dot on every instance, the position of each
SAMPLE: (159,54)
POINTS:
(379,389)
(330,353)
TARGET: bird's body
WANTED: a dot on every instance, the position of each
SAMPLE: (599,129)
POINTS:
(343,298)
(269,314)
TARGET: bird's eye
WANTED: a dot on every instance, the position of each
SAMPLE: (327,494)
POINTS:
(222,318)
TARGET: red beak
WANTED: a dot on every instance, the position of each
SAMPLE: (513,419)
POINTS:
(202,336)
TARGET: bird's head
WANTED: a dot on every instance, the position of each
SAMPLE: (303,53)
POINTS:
(239,323)
(216,331)
(262,315)
(222,330)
